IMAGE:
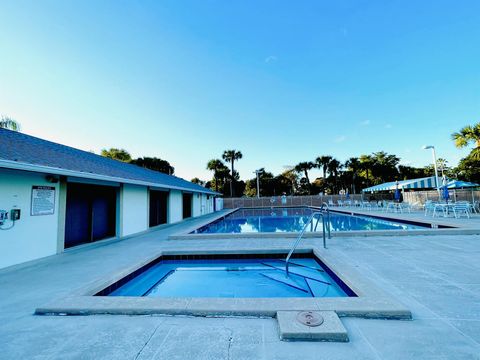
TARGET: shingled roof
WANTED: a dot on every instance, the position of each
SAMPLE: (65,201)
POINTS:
(18,149)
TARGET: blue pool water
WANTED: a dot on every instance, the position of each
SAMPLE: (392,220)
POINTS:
(293,220)
(234,278)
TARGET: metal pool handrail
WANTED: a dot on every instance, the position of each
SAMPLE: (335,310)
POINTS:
(324,204)
(310,219)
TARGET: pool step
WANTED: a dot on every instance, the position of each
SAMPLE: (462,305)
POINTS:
(305,272)
(311,326)
(289,281)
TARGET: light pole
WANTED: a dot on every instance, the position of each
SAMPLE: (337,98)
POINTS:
(257,172)
(425,147)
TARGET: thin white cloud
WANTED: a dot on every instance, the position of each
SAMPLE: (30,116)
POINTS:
(344,31)
(271,58)
(340,138)
(388,126)
(365,122)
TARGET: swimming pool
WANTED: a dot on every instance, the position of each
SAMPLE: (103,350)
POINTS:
(256,220)
(258,277)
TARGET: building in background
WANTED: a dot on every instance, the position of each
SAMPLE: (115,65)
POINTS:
(54,197)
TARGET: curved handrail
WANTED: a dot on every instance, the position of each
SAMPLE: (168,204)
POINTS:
(312,216)
(328,218)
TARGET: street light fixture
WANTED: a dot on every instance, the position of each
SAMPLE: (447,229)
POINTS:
(434,155)
(257,172)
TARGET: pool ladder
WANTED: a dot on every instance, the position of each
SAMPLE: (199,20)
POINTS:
(324,209)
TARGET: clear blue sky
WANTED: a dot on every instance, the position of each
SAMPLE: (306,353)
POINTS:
(282,81)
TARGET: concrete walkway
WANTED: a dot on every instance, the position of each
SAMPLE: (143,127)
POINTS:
(436,277)
(462,222)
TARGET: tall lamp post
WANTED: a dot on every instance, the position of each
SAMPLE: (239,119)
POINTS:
(434,155)
(258,172)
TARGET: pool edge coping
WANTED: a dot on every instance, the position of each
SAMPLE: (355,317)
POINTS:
(372,302)
(449,229)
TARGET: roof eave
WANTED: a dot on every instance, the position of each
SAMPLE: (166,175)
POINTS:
(15,165)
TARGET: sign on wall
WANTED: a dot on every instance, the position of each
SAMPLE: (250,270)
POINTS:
(43,200)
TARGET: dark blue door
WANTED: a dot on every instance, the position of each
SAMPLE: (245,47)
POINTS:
(187,205)
(103,213)
(158,207)
(90,213)
(78,217)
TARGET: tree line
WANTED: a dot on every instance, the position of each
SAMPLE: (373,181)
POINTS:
(351,175)
(152,163)
(354,174)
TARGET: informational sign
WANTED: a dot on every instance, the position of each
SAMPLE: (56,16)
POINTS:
(43,200)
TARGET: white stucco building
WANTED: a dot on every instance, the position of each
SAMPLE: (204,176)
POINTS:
(53,197)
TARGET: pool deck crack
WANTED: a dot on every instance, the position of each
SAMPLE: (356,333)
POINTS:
(148,340)
(230,340)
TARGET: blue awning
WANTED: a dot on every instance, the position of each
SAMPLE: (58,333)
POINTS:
(458,184)
(422,183)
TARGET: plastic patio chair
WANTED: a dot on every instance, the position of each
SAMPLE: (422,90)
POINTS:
(460,208)
(429,206)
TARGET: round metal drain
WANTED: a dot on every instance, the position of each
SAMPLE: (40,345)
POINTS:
(310,318)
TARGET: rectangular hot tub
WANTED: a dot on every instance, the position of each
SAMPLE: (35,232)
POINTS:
(261,276)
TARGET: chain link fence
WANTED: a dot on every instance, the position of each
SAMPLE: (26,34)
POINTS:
(411,197)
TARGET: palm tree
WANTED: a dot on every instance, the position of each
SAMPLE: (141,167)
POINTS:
(353,164)
(215,165)
(292,177)
(466,136)
(384,166)
(334,167)
(305,167)
(366,163)
(322,162)
(231,156)
(8,123)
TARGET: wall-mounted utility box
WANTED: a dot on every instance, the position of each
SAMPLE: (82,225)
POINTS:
(15,214)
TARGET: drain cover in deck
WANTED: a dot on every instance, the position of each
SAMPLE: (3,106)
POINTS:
(310,318)
(293,325)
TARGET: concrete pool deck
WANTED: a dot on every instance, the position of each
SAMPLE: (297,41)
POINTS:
(437,277)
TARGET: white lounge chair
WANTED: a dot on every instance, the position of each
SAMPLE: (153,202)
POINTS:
(429,206)
(405,206)
(476,207)
(366,205)
(460,208)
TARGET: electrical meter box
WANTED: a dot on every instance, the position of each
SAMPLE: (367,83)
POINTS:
(15,214)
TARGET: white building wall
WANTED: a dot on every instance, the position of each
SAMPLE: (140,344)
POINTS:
(133,209)
(175,206)
(197,204)
(207,203)
(210,204)
(218,204)
(203,204)
(32,237)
